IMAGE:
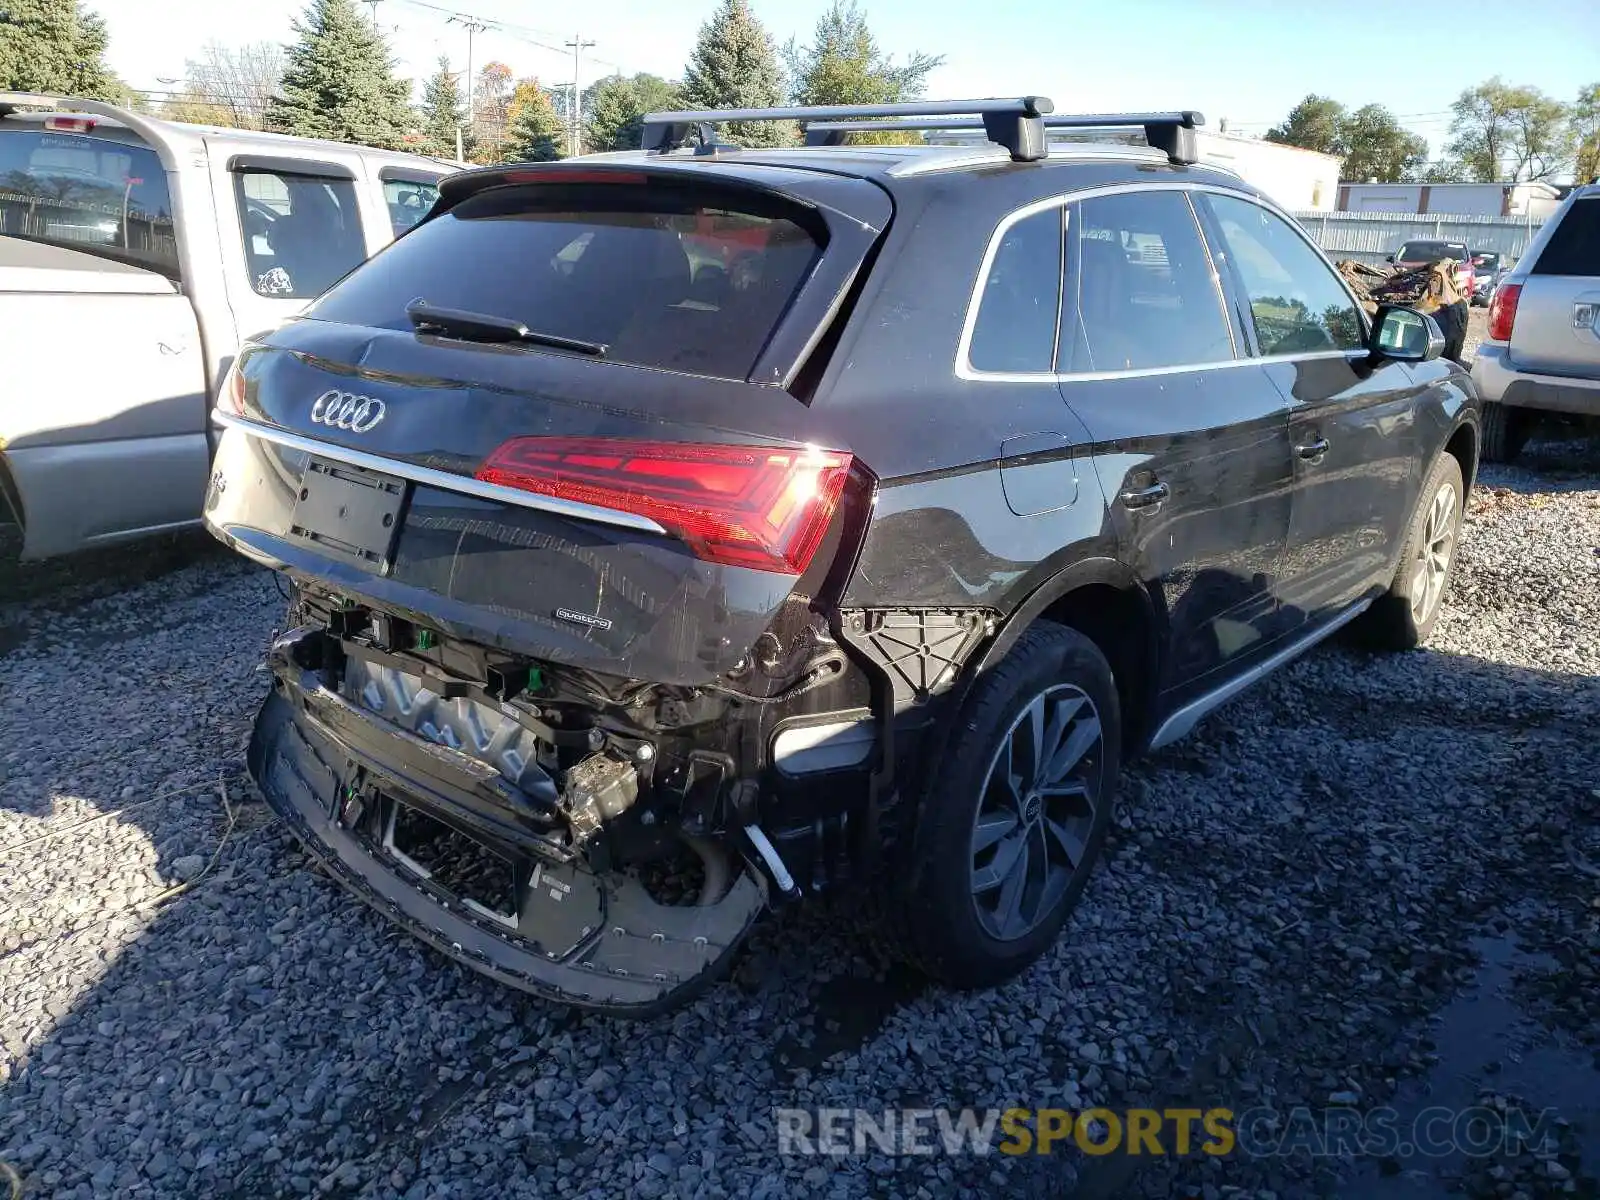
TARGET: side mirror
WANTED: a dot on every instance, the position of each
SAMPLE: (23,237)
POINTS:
(1405,335)
(1388,258)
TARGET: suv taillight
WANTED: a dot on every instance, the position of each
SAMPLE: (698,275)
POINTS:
(1503,311)
(746,506)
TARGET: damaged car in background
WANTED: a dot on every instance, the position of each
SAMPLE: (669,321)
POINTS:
(677,531)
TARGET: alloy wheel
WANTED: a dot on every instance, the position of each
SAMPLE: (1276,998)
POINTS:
(1434,551)
(1037,812)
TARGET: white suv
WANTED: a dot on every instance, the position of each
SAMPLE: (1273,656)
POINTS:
(1543,349)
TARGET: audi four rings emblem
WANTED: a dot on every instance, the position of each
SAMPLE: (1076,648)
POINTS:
(342,410)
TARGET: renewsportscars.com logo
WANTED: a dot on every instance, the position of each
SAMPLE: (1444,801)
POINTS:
(1252,1132)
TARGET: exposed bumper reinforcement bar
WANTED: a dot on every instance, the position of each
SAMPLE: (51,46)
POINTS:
(594,941)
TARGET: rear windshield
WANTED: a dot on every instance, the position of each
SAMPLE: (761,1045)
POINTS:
(1431,252)
(88,193)
(1574,246)
(1486,260)
(664,277)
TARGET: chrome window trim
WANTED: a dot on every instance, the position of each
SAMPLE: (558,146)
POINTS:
(428,476)
(963,363)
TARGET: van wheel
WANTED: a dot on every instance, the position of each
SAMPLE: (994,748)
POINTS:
(1013,817)
(1404,616)
(1505,431)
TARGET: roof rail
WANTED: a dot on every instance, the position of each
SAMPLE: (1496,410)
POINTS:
(1170,132)
(1016,124)
(152,131)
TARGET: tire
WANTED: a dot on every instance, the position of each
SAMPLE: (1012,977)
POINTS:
(1404,616)
(1505,431)
(944,899)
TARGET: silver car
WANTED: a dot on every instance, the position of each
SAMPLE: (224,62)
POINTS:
(1542,353)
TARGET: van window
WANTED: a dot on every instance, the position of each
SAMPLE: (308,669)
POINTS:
(1020,309)
(409,201)
(302,233)
(693,280)
(1141,291)
(89,193)
(1574,245)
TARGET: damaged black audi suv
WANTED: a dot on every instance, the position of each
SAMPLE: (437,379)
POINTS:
(678,531)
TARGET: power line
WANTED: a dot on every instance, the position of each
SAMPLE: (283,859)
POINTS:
(506,28)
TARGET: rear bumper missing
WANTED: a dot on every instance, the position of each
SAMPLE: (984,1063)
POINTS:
(592,940)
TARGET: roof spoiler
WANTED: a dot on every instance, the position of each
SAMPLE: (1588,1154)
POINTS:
(1017,124)
(1173,133)
(152,131)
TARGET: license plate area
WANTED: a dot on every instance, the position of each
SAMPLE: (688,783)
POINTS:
(349,512)
(483,881)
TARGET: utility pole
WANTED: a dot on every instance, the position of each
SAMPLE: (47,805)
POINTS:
(373,5)
(472,25)
(577,45)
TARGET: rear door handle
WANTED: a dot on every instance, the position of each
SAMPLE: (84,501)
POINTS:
(1146,496)
(1312,451)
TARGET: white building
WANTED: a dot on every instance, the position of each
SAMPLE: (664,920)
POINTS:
(1299,180)
(1534,200)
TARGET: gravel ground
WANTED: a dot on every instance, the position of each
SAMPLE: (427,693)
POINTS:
(1368,881)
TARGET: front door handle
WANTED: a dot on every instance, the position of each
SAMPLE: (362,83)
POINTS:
(1146,496)
(1312,451)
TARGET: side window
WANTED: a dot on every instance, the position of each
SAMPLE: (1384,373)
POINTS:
(1019,310)
(408,201)
(1141,289)
(1574,245)
(1297,301)
(301,232)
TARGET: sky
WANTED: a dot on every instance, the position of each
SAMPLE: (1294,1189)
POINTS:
(1247,61)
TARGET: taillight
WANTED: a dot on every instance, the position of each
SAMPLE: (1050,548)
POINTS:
(745,506)
(69,124)
(230,396)
(1503,311)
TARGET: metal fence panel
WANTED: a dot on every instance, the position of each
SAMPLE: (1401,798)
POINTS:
(1368,237)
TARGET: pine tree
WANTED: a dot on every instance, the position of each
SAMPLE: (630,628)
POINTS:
(442,111)
(535,133)
(55,46)
(844,65)
(340,81)
(613,108)
(734,65)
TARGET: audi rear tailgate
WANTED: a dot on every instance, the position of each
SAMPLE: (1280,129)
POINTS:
(643,510)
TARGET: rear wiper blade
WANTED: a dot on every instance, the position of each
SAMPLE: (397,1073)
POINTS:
(486,327)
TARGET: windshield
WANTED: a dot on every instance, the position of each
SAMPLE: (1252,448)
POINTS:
(1431,251)
(88,193)
(690,281)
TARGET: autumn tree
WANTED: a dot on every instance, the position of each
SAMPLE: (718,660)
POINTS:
(491,110)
